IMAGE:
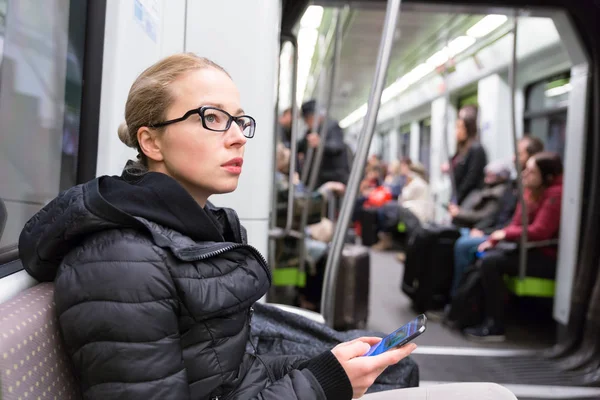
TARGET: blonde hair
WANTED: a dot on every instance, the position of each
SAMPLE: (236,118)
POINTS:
(150,97)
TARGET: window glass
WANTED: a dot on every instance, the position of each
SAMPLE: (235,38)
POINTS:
(41,57)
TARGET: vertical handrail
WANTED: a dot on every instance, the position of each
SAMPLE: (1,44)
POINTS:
(446,119)
(512,73)
(310,153)
(293,137)
(318,154)
(368,129)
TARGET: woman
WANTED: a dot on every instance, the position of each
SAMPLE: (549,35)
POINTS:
(153,284)
(394,181)
(542,179)
(470,158)
(416,195)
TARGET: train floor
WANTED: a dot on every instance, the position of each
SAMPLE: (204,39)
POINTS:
(445,355)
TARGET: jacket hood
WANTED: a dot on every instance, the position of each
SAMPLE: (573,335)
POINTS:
(149,202)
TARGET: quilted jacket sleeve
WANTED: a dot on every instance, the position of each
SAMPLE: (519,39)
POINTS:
(320,378)
(117,308)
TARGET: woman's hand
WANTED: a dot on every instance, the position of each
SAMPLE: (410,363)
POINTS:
(485,246)
(453,209)
(476,233)
(498,235)
(445,168)
(362,371)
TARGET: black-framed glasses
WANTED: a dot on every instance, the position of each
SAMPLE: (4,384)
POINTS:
(215,119)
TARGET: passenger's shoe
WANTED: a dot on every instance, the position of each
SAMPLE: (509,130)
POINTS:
(435,315)
(386,242)
(487,332)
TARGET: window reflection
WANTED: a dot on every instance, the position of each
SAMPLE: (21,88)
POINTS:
(40,103)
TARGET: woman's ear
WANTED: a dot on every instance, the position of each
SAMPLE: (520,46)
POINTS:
(149,143)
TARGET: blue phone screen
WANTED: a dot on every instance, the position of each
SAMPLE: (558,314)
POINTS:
(395,338)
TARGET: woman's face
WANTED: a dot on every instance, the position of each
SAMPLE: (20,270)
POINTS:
(532,176)
(205,162)
(461,131)
(404,170)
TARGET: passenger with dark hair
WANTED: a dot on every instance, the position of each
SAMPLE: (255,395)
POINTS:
(542,179)
(465,247)
(154,285)
(335,166)
(470,158)
(285,127)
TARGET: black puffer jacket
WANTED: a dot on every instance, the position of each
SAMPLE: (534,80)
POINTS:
(469,171)
(154,296)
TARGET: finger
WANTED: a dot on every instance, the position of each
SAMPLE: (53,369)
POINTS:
(371,340)
(393,356)
(354,349)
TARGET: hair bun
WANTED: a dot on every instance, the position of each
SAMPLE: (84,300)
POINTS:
(125,136)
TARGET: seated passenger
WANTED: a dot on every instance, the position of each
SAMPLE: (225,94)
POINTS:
(542,179)
(153,284)
(416,196)
(415,200)
(466,246)
(395,180)
(480,208)
(470,158)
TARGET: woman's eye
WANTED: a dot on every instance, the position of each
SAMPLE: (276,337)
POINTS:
(211,118)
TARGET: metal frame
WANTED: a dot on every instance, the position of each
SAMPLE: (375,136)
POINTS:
(574,161)
(368,130)
(92,79)
(320,151)
(512,74)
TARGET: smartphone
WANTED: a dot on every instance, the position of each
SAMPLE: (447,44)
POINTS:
(400,337)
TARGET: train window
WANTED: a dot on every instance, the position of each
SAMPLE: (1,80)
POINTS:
(40,103)
(546,112)
(425,142)
(404,148)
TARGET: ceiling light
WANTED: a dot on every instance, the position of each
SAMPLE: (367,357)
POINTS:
(438,58)
(460,44)
(486,25)
(312,17)
(355,116)
(559,90)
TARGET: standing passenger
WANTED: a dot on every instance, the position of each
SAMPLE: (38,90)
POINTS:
(470,158)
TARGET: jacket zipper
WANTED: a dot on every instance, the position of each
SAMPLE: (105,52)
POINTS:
(230,247)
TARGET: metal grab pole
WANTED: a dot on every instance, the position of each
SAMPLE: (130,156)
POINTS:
(310,152)
(368,129)
(512,73)
(447,101)
(293,138)
(318,154)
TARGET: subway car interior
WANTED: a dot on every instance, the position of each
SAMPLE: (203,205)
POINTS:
(401,149)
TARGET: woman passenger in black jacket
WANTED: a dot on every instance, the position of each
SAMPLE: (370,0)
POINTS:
(154,285)
(470,159)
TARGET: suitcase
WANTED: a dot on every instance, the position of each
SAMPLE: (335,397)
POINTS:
(352,288)
(429,266)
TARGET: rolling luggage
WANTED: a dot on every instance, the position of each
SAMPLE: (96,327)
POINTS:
(352,288)
(429,266)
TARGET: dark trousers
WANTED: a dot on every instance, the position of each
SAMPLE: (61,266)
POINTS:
(496,263)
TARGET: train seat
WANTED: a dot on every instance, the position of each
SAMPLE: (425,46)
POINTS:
(33,363)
